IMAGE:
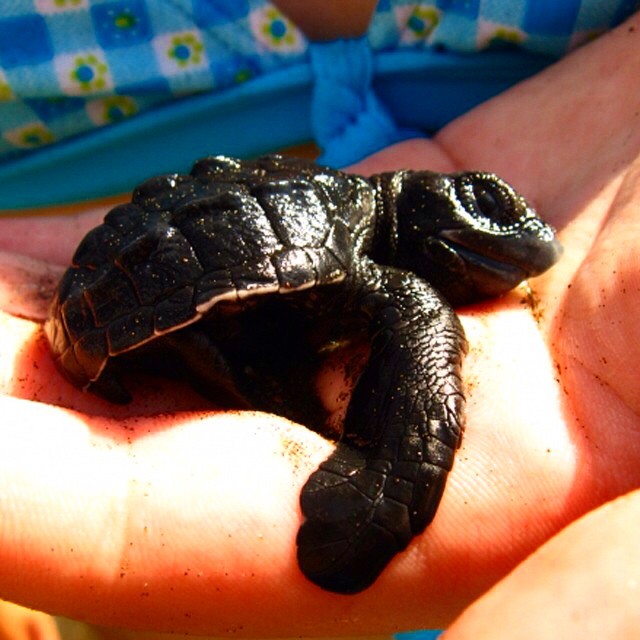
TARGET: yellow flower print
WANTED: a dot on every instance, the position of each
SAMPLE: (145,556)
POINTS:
(186,50)
(89,73)
(275,30)
(59,6)
(504,38)
(5,90)
(421,22)
(30,136)
(111,109)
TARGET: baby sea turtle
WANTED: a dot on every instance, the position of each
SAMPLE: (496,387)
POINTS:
(241,272)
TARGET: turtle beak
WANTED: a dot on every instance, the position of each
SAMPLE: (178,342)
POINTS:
(495,270)
(529,252)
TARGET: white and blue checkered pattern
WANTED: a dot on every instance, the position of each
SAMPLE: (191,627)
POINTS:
(68,66)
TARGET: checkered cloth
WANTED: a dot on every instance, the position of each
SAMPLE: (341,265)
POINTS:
(69,66)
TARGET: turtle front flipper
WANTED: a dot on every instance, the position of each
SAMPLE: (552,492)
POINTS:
(383,483)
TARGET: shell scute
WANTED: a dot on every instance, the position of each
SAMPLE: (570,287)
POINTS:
(159,263)
(164,192)
(100,245)
(125,218)
(176,310)
(77,317)
(56,333)
(296,270)
(296,210)
(111,296)
(256,277)
(75,280)
(131,330)
(226,230)
(212,287)
(73,370)
(217,168)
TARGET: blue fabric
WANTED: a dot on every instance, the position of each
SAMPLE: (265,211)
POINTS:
(25,41)
(347,117)
(52,50)
(71,71)
(119,58)
(418,635)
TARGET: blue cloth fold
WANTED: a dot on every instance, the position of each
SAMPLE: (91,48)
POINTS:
(348,119)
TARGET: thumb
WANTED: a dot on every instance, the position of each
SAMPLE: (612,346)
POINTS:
(583,583)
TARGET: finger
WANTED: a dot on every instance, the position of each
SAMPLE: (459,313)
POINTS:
(581,584)
(18,623)
(418,154)
(51,234)
(594,334)
(605,296)
(26,285)
(110,520)
(559,142)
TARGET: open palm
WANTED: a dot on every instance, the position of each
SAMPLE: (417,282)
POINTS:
(164,515)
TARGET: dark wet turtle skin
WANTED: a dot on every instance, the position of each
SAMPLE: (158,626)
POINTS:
(239,274)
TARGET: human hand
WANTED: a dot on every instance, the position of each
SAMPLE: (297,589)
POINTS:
(18,623)
(584,581)
(164,515)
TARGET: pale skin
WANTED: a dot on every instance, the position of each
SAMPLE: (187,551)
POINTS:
(19,623)
(167,516)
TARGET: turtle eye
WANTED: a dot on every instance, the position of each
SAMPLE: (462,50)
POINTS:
(487,201)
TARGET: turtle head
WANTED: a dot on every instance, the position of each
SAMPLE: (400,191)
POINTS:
(469,234)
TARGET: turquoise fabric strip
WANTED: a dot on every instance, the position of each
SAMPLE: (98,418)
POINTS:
(348,119)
